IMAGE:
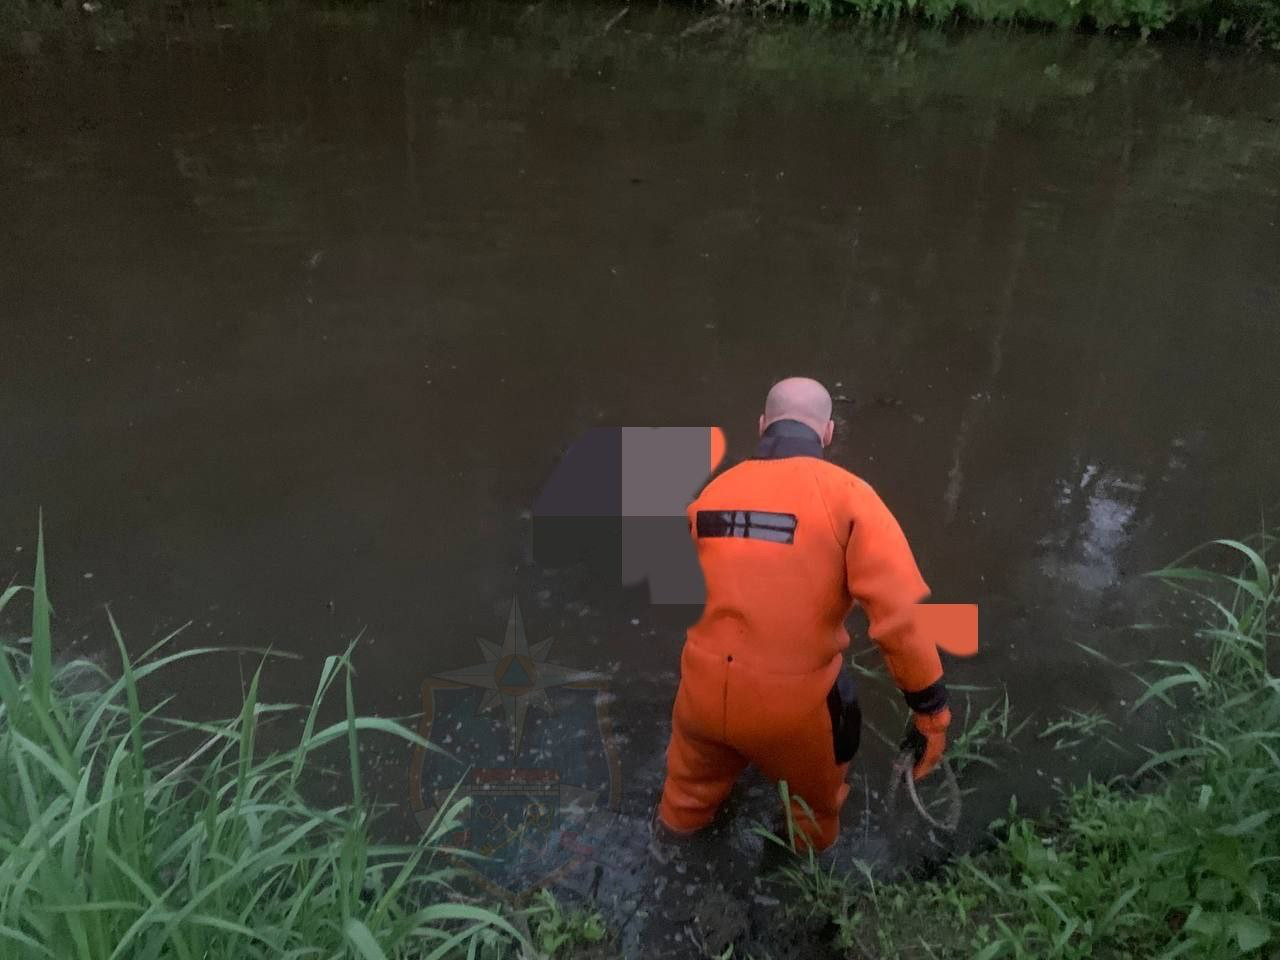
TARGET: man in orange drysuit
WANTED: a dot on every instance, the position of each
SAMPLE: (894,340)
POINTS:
(787,543)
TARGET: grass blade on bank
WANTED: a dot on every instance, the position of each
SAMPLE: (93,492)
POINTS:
(118,841)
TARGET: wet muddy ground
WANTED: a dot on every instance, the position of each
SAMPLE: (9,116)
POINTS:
(298,319)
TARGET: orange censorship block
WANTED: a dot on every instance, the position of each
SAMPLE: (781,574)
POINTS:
(953,627)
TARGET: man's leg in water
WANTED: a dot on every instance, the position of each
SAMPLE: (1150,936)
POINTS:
(700,772)
(805,758)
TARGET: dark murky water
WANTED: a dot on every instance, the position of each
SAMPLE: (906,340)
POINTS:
(296,323)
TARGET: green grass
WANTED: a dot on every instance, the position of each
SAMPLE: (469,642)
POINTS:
(1246,21)
(557,932)
(127,832)
(817,892)
(1182,860)
(977,735)
(1254,22)
(1078,727)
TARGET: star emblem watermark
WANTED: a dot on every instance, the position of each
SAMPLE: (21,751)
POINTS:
(517,675)
(541,788)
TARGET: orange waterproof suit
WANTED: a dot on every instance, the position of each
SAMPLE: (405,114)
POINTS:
(787,542)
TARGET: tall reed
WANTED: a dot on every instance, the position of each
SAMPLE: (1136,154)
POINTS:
(128,832)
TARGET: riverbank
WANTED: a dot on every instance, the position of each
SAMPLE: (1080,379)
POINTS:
(129,828)
(26,25)
(1180,859)
(129,831)
(1255,22)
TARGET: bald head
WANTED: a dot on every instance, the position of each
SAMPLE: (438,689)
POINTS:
(802,399)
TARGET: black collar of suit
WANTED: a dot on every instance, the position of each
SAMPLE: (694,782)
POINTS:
(788,438)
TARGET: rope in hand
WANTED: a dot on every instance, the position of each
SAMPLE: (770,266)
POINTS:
(902,768)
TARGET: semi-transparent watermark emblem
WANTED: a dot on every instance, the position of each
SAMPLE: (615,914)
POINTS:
(528,741)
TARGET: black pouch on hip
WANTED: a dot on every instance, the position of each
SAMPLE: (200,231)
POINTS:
(846,717)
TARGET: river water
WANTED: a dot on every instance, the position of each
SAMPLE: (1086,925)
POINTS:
(298,316)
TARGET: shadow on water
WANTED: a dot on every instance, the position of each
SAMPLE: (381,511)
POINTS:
(297,321)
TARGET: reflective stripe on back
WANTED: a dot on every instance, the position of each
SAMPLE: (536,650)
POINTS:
(748,524)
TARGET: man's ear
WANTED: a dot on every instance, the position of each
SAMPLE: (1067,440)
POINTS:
(828,433)
(761,424)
